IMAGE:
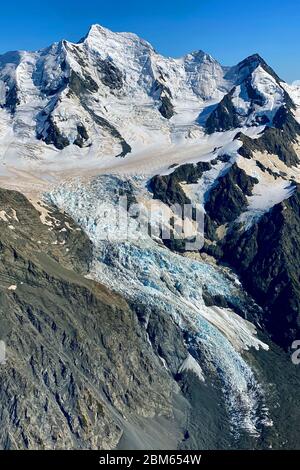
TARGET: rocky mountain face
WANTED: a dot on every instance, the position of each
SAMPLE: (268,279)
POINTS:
(115,340)
(70,379)
(251,197)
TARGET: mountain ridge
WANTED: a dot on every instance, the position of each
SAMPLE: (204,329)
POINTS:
(91,83)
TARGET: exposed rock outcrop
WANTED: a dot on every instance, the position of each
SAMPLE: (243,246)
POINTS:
(69,378)
(267,256)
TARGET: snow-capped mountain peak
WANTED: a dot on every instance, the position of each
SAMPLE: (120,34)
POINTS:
(247,66)
(100,37)
(112,93)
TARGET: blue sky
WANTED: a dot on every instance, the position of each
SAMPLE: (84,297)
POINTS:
(229,30)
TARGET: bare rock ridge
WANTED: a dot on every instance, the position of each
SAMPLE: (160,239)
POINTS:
(67,364)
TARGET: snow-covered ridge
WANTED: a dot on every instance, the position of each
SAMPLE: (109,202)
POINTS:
(112,93)
(115,76)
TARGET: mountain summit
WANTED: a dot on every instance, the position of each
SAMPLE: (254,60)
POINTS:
(110,91)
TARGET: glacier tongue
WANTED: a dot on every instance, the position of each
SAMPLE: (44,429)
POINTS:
(149,276)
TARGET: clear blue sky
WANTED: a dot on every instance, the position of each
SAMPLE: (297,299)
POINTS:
(229,30)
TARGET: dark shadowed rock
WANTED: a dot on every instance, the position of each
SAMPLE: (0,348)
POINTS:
(111,76)
(276,140)
(267,256)
(224,117)
(227,200)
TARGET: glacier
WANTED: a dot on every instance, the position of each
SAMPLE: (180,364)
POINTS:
(150,275)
